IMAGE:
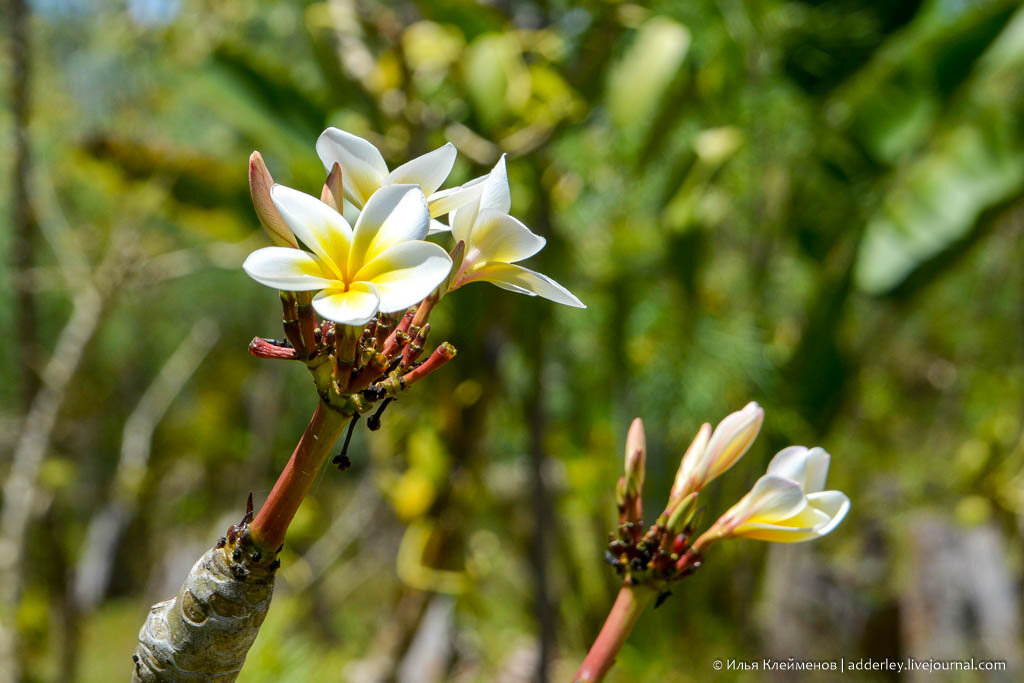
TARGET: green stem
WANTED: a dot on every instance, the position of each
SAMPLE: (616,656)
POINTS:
(623,616)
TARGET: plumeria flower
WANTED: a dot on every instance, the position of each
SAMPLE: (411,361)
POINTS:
(495,241)
(380,265)
(712,453)
(787,504)
(364,171)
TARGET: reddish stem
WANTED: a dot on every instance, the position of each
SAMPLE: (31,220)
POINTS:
(271,523)
(423,311)
(623,616)
(391,344)
(264,348)
(441,355)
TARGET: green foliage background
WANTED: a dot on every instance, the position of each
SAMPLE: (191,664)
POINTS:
(815,205)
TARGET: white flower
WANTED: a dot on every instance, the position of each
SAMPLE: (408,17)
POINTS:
(787,504)
(381,265)
(364,171)
(495,241)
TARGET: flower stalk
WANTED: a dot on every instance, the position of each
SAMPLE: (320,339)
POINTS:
(269,527)
(629,604)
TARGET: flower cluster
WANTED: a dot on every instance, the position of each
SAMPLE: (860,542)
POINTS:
(786,505)
(358,256)
(367,249)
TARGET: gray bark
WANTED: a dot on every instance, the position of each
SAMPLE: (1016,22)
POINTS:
(205,632)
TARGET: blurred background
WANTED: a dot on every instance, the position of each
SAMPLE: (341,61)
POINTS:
(815,205)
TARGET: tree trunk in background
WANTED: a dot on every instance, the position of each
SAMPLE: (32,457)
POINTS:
(806,611)
(432,649)
(23,224)
(961,599)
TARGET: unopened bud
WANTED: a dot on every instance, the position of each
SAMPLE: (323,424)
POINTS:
(636,457)
(260,182)
(709,457)
(731,439)
(332,194)
(620,493)
(457,254)
(685,479)
(683,514)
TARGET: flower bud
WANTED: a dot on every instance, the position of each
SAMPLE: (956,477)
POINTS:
(684,482)
(731,439)
(332,194)
(636,457)
(682,515)
(709,457)
(260,182)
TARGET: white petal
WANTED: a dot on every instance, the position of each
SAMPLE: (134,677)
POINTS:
(835,504)
(317,225)
(350,212)
(353,307)
(517,276)
(427,171)
(461,221)
(807,467)
(495,192)
(500,237)
(406,273)
(437,227)
(292,270)
(791,463)
(776,533)
(513,288)
(772,499)
(362,166)
(394,214)
(817,469)
(448,200)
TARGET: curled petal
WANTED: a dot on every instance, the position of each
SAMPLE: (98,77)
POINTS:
(500,237)
(317,225)
(292,270)
(835,504)
(776,533)
(354,306)
(807,467)
(394,214)
(406,273)
(362,167)
(453,198)
(824,511)
(513,288)
(427,171)
(523,278)
(771,500)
